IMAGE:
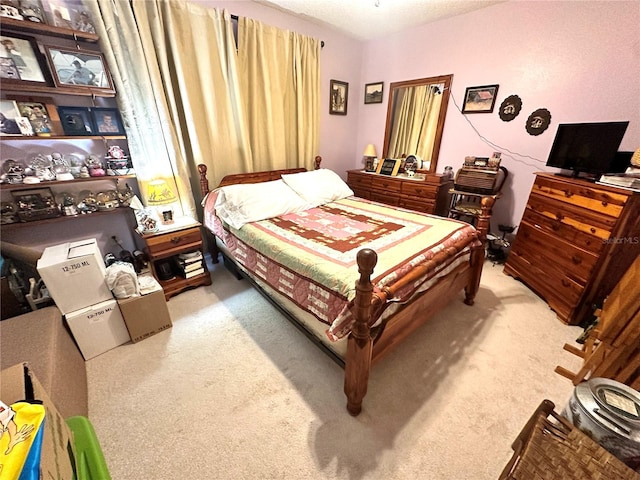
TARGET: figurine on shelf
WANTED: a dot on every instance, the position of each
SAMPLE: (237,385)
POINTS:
(13,171)
(94,165)
(61,167)
(68,206)
(124,195)
(43,167)
(84,172)
(88,202)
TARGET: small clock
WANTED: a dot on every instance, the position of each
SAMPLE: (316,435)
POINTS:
(116,152)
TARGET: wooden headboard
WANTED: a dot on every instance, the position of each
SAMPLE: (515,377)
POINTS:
(256,177)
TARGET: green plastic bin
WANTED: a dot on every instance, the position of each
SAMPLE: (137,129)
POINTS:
(90,463)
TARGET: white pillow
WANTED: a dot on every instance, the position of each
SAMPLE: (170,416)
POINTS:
(251,202)
(318,186)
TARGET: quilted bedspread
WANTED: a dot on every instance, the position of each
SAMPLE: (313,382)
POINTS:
(310,256)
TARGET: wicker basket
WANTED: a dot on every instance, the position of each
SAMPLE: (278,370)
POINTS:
(549,447)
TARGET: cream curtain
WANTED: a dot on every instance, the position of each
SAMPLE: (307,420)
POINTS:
(415,130)
(188,97)
(280,79)
(151,137)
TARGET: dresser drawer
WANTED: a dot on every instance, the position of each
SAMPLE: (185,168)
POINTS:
(393,200)
(569,234)
(425,206)
(385,184)
(163,244)
(581,195)
(560,292)
(359,180)
(419,189)
(581,219)
(553,251)
(360,192)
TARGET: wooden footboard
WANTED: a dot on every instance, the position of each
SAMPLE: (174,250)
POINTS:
(365,345)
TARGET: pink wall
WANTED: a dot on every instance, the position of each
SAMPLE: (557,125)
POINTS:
(580,60)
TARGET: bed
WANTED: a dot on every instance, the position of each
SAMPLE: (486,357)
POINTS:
(315,260)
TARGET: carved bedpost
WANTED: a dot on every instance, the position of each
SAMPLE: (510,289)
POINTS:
(477,252)
(204,189)
(359,348)
(316,162)
(204,182)
(484,219)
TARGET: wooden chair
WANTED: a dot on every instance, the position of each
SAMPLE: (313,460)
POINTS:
(612,347)
(551,448)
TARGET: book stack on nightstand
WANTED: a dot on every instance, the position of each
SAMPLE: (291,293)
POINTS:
(190,264)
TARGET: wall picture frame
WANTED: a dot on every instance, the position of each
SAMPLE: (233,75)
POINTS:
(76,121)
(338,97)
(480,99)
(22,63)
(70,14)
(9,115)
(77,68)
(373,92)
(38,116)
(107,121)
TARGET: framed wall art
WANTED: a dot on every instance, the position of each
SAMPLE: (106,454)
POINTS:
(38,116)
(107,121)
(69,14)
(76,121)
(373,92)
(20,61)
(78,68)
(9,118)
(480,99)
(338,97)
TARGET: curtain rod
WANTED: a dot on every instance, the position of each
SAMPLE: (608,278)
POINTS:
(235,17)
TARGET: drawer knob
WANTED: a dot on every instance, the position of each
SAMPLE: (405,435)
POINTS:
(593,230)
(176,239)
(605,203)
(568,194)
(559,217)
(576,259)
(565,283)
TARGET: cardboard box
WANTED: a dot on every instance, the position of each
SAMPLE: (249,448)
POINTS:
(58,452)
(98,328)
(74,273)
(145,315)
(41,339)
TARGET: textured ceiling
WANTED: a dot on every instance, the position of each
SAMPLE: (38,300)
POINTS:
(367,19)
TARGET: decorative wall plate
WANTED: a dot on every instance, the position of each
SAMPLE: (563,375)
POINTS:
(538,121)
(510,108)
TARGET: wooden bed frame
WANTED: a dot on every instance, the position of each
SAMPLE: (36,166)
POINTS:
(367,345)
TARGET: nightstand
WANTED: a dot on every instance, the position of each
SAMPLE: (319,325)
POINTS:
(176,256)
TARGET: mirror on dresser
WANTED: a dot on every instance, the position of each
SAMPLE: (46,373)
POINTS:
(415,119)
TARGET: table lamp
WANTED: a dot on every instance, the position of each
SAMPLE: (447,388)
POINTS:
(370,156)
(160,195)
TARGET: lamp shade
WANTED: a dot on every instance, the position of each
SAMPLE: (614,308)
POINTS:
(370,151)
(159,193)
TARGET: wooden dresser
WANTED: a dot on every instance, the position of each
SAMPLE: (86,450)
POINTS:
(574,243)
(428,193)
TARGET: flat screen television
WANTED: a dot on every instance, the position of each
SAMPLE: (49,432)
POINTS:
(586,147)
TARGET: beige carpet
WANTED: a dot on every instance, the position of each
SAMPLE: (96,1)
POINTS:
(234,391)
